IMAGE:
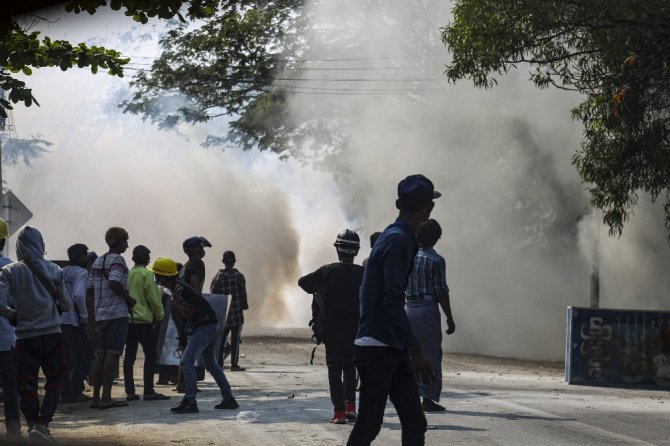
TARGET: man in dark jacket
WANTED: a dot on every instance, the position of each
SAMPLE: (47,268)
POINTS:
(386,350)
(33,295)
(197,336)
(339,283)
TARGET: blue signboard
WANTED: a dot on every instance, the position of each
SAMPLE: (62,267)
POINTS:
(618,347)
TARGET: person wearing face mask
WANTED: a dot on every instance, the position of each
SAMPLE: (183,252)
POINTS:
(73,326)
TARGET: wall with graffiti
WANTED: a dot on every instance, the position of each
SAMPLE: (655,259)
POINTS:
(618,347)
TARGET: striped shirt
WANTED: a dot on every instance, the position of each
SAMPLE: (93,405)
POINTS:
(428,278)
(108,304)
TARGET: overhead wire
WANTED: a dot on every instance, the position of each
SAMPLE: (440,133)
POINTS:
(292,85)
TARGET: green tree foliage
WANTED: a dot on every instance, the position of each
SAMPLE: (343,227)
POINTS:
(21,51)
(614,52)
(225,67)
(253,62)
(15,150)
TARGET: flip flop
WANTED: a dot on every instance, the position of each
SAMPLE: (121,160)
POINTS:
(109,405)
(156,397)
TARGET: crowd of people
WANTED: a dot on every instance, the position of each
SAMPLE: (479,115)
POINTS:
(74,323)
(380,323)
(383,320)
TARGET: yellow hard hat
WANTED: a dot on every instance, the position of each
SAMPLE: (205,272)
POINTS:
(164,267)
(4,229)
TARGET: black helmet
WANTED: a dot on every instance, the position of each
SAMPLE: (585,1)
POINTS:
(347,242)
(194,243)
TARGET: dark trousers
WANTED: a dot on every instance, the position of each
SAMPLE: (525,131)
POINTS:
(45,352)
(79,359)
(140,334)
(234,344)
(11,392)
(386,372)
(340,362)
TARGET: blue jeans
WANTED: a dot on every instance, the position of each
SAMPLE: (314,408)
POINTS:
(386,372)
(203,342)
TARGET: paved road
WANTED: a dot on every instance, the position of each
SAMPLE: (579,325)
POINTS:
(490,402)
(498,402)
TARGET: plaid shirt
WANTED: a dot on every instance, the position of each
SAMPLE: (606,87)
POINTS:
(231,281)
(428,276)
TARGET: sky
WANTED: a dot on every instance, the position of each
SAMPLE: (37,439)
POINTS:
(519,240)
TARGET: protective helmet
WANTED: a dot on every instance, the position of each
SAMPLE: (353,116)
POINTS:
(195,242)
(163,266)
(347,242)
(4,229)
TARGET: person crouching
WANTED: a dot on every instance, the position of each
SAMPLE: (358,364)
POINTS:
(197,336)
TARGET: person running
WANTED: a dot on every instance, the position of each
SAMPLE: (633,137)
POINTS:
(197,337)
(33,295)
(108,294)
(77,346)
(387,355)
(231,282)
(339,284)
(10,389)
(147,311)
(427,290)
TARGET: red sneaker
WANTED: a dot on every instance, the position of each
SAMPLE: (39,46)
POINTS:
(350,409)
(339,417)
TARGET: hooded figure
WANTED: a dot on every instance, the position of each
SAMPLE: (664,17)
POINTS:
(27,290)
(23,297)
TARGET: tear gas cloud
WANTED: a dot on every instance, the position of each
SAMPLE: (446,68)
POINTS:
(518,232)
(516,251)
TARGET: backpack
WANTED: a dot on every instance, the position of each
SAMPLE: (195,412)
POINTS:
(317,323)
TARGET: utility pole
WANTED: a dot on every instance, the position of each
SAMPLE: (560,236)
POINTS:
(3,124)
(15,213)
(594,298)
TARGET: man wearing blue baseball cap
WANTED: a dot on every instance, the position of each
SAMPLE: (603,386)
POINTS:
(386,353)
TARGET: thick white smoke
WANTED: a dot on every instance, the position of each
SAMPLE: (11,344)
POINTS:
(517,233)
(512,202)
(108,169)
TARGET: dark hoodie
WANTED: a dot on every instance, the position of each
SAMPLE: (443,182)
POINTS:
(22,295)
